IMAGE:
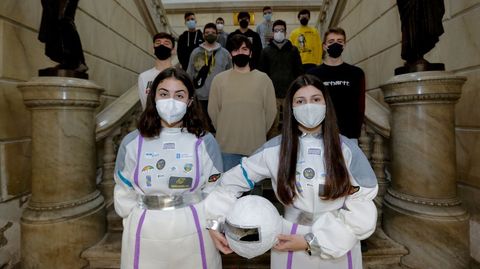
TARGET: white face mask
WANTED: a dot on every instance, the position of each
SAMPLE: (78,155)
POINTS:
(219,26)
(171,110)
(310,115)
(279,36)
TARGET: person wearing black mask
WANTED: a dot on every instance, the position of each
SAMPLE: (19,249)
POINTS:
(163,44)
(241,104)
(244,20)
(307,40)
(346,83)
(206,61)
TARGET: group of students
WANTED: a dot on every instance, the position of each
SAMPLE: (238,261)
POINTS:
(173,188)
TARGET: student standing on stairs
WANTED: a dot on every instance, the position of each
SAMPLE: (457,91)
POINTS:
(163,44)
(322,178)
(163,172)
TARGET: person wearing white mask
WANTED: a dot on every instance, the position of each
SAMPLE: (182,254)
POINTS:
(222,35)
(264,29)
(163,172)
(188,40)
(323,179)
(281,61)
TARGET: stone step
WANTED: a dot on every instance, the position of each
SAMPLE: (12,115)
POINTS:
(382,251)
(106,253)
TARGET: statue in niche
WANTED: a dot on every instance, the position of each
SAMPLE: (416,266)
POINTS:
(421,23)
(62,42)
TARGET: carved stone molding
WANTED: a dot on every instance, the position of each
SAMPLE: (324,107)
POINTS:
(436,97)
(42,104)
(63,212)
(424,201)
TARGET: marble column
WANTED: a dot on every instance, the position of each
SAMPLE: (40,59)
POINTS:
(421,208)
(66,213)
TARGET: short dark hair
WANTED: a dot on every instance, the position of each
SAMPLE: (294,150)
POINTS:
(164,35)
(236,41)
(149,124)
(210,25)
(188,14)
(334,30)
(220,19)
(267,8)
(243,14)
(302,12)
(279,22)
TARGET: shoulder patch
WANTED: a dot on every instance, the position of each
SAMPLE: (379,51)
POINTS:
(214,177)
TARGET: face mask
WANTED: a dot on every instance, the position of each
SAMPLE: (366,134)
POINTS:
(211,38)
(219,26)
(304,21)
(162,52)
(268,16)
(243,23)
(279,36)
(241,60)
(335,50)
(171,110)
(191,24)
(310,115)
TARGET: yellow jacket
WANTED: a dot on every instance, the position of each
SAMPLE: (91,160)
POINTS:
(307,40)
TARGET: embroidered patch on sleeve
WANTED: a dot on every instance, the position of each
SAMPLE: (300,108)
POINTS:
(214,177)
(354,189)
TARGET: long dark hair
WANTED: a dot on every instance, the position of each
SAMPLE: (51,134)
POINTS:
(337,182)
(149,124)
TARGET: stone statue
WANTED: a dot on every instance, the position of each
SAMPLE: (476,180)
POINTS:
(421,23)
(62,42)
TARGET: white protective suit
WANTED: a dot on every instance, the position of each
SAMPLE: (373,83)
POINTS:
(168,233)
(337,225)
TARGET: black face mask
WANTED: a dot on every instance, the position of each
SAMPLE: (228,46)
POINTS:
(211,38)
(335,50)
(243,23)
(241,60)
(162,52)
(304,21)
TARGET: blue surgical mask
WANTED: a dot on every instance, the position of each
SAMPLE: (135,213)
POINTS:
(268,16)
(191,24)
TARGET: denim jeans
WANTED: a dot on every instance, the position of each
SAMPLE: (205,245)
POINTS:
(231,160)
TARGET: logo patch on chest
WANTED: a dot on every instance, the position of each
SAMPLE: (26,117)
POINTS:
(183,155)
(180,182)
(187,167)
(169,145)
(160,164)
(309,173)
(314,151)
(151,155)
(146,168)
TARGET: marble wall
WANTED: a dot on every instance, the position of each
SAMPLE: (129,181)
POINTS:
(458,49)
(117,47)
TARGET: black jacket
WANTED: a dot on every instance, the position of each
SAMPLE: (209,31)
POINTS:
(281,65)
(187,42)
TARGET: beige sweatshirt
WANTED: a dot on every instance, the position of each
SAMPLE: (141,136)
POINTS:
(242,107)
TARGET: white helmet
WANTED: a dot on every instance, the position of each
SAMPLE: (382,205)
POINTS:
(252,226)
